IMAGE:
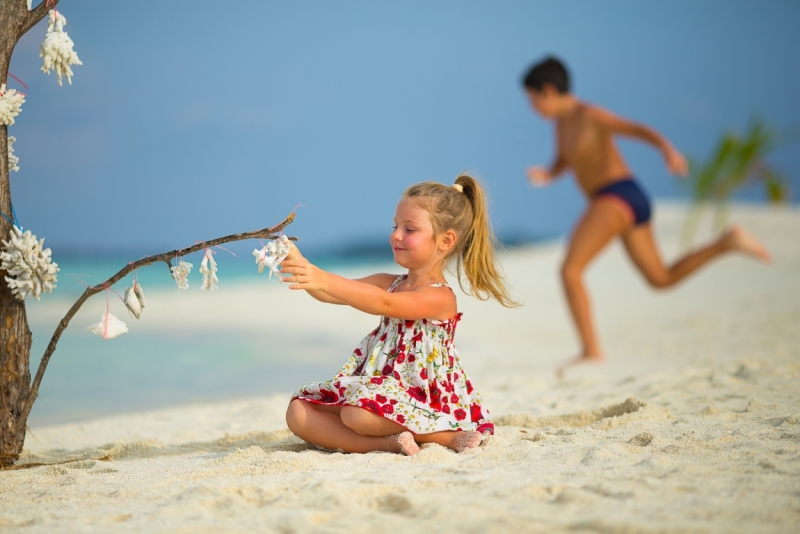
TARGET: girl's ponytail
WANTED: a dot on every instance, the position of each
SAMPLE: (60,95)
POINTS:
(477,257)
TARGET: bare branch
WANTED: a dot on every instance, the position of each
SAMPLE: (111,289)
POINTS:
(166,257)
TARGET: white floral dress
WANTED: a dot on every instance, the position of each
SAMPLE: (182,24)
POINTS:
(409,372)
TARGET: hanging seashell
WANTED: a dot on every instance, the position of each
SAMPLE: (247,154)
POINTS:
(109,326)
(31,270)
(272,255)
(137,289)
(56,49)
(209,273)
(13,161)
(132,300)
(10,105)
(180,273)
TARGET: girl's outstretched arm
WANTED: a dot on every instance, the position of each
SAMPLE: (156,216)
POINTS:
(381,280)
(425,303)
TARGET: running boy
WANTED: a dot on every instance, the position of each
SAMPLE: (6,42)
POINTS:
(617,205)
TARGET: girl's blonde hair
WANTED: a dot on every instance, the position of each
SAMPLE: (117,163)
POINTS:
(463,208)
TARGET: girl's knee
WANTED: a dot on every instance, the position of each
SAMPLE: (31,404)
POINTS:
(571,273)
(296,414)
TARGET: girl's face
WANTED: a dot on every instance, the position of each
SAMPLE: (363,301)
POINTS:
(413,240)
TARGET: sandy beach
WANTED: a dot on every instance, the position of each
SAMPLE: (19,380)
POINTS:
(693,425)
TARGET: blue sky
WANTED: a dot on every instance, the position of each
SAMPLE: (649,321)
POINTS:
(189,121)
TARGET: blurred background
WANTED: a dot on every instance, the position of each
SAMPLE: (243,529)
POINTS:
(188,121)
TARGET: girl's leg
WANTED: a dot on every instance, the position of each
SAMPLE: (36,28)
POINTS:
(642,249)
(323,426)
(603,220)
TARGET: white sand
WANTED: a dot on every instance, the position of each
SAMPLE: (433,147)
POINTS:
(692,426)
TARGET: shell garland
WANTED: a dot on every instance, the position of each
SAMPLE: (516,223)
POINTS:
(10,105)
(13,161)
(56,49)
(31,270)
(210,279)
(110,326)
(180,273)
(272,255)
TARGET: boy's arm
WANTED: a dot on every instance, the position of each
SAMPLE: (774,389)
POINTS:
(676,163)
(541,176)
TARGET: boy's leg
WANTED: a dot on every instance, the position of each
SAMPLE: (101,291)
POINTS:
(604,219)
(642,249)
(322,426)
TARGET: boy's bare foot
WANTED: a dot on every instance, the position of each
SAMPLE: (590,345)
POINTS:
(465,440)
(406,444)
(738,239)
(582,359)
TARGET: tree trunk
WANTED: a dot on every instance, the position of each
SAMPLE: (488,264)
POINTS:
(15,336)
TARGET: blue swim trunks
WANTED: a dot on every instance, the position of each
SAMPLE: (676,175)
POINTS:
(631,195)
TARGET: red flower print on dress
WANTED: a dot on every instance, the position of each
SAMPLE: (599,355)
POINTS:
(400,418)
(376,380)
(387,370)
(392,401)
(397,377)
(424,373)
(327,396)
(388,408)
(409,323)
(400,358)
(411,358)
(454,398)
(372,406)
(418,393)
(485,427)
(469,387)
(383,337)
(460,414)
(446,408)
(380,398)
(475,413)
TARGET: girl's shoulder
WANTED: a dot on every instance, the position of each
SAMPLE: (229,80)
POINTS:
(381,280)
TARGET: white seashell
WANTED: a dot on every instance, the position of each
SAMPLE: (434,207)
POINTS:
(10,105)
(209,273)
(132,301)
(273,255)
(137,288)
(109,326)
(30,269)
(13,161)
(56,49)
(180,273)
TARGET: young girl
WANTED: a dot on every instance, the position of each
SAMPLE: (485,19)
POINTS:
(404,383)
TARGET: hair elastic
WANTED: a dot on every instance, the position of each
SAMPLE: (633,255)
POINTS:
(458,188)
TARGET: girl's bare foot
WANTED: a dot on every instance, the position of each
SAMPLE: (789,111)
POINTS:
(738,239)
(405,443)
(582,359)
(465,440)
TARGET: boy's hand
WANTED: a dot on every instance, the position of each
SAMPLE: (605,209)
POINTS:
(676,163)
(539,176)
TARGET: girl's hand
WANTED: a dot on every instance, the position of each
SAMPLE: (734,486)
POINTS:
(539,176)
(304,274)
(676,163)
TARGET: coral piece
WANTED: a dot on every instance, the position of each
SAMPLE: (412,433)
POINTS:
(31,270)
(13,161)
(134,299)
(180,273)
(272,255)
(110,326)
(10,105)
(57,49)
(209,273)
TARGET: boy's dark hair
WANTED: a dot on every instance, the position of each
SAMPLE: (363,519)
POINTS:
(550,70)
